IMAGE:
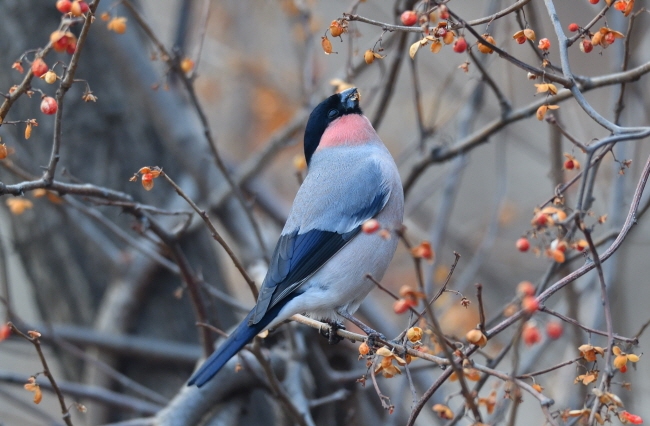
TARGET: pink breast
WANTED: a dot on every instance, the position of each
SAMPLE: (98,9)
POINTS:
(352,129)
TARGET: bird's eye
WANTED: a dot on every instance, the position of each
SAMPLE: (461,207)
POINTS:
(332,113)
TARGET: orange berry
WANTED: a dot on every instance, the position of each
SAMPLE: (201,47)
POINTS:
(544,44)
(39,67)
(484,48)
(326,44)
(443,411)
(530,304)
(573,27)
(522,244)
(423,251)
(369,56)
(187,65)
(594,1)
(476,337)
(75,9)
(526,288)
(117,25)
(364,349)
(336,29)
(530,34)
(50,77)
(414,334)
(18,67)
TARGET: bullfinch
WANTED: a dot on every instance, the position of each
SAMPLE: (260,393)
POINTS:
(320,264)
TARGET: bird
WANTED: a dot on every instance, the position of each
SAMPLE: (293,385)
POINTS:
(323,262)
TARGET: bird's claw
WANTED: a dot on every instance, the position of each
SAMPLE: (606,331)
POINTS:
(331,332)
(374,339)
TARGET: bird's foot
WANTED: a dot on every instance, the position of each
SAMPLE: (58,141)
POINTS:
(331,332)
(375,338)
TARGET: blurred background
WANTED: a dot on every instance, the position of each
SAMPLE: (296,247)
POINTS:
(117,322)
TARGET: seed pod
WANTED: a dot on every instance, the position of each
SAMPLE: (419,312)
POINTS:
(484,48)
(327,45)
(369,56)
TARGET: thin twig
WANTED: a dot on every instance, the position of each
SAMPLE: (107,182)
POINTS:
(481,309)
(33,338)
(215,234)
(633,340)
(549,369)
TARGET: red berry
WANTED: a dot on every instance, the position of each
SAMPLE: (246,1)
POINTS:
(49,105)
(521,40)
(541,219)
(530,304)
(443,12)
(586,46)
(610,38)
(554,330)
(370,226)
(531,335)
(569,164)
(84,6)
(573,27)
(63,6)
(523,244)
(409,18)
(594,1)
(5,332)
(39,67)
(401,305)
(71,47)
(61,44)
(147,181)
(460,45)
(630,418)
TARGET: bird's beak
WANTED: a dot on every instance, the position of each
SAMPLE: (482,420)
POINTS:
(350,98)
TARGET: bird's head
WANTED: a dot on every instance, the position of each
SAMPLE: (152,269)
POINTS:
(337,121)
